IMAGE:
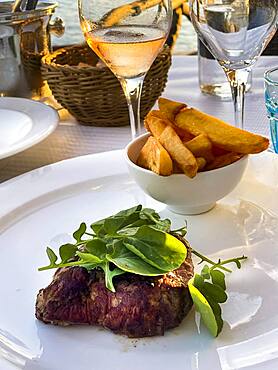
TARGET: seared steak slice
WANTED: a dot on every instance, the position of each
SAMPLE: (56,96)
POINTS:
(140,307)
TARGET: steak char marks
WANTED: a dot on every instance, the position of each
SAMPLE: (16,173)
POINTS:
(141,306)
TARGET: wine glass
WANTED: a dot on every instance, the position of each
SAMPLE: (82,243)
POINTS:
(127,37)
(235,32)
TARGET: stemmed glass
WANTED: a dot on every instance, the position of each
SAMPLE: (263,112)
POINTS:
(127,36)
(236,32)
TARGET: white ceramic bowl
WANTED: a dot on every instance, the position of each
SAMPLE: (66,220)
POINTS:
(180,193)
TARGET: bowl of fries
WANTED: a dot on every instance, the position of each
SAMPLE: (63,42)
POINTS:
(189,160)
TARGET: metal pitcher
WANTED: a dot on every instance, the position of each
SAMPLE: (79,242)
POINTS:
(24,40)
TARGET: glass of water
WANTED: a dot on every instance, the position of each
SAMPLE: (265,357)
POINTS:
(271,101)
(212,78)
(235,32)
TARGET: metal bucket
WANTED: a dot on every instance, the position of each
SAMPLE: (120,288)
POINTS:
(24,40)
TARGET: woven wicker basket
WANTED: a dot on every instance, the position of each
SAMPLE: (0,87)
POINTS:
(93,95)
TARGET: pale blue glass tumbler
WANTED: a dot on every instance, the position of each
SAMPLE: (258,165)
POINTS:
(271,101)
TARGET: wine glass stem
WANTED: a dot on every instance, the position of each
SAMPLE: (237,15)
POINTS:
(132,88)
(238,80)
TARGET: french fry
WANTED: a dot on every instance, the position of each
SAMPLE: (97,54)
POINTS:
(201,162)
(160,115)
(200,146)
(223,160)
(155,158)
(178,152)
(220,133)
(169,139)
(218,151)
(154,124)
(170,108)
(184,135)
(177,169)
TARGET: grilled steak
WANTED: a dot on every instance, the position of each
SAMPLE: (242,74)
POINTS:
(140,307)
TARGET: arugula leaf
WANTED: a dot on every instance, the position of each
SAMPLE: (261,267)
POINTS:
(217,313)
(204,308)
(129,211)
(89,258)
(97,226)
(138,241)
(110,274)
(182,231)
(129,262)
(96,247)
(198,281)
(210,289)
(212,297)
(113,223)
(67,252)
(217,293)
(156,254)
(150,215)
(218,278)
(157,248)
(51,256)
(205,273)
(79,232)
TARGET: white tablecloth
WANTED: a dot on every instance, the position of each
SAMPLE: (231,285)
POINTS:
(71,139)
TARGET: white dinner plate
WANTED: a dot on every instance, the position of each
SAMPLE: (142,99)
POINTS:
(44,206)
(24,123)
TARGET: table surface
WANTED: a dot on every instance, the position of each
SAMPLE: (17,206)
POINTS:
(72,139)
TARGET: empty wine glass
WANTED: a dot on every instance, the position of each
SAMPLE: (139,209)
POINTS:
(127,36)
(236,32)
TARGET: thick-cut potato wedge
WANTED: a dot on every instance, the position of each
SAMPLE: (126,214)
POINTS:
(223,160)
(201,162)
(218,151)
(200,146)
(170,140)
(220,133)
(184,135)
(178,152)
(154,124)
(170,108)
(160,115)
(155,158)
(176,168)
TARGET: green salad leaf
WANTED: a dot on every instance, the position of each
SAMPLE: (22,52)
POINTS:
(136,240)
(67,252)
(51,256)
(208,291)
(157,248)
(205,309)
(124,259)
(80,232)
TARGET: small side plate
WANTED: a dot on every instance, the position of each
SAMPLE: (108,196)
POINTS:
(24,123)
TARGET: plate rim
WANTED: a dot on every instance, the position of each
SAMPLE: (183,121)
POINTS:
(27,143)
(45,178)
(31,185)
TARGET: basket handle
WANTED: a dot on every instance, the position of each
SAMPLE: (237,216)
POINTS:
(57,27)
